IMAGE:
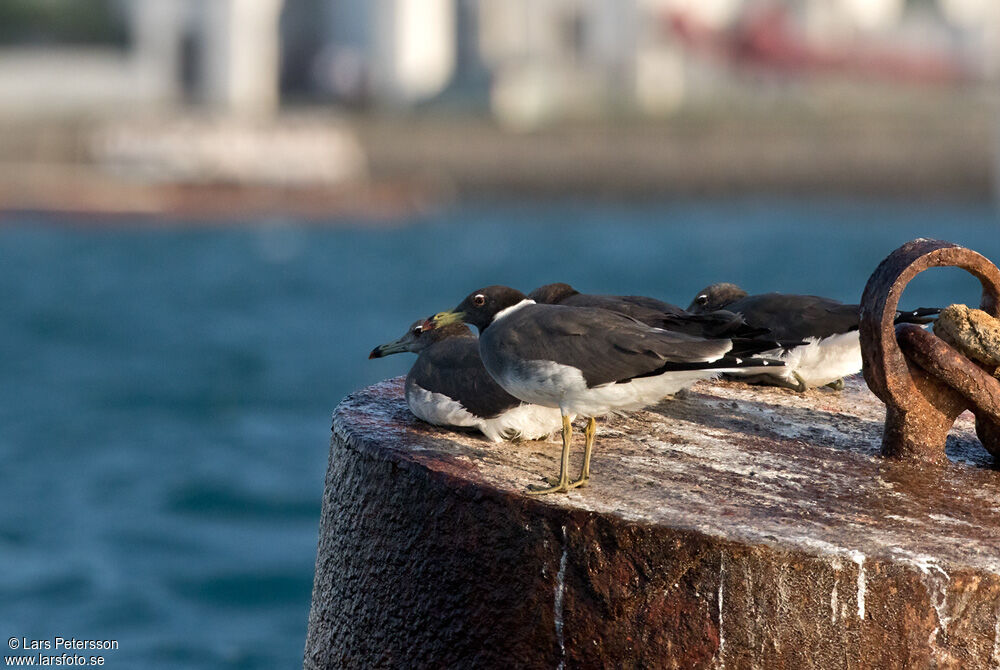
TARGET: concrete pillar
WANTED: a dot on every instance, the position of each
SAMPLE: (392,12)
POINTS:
(241,55)
(156,38)
(738,527)
(414,45)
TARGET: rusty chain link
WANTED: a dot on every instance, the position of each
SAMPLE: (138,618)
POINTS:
(924,382)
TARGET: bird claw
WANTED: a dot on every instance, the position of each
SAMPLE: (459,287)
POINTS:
(837,385)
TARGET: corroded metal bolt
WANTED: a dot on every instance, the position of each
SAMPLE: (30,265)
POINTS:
(925,390)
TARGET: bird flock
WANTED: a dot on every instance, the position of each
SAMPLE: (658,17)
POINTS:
(543,359)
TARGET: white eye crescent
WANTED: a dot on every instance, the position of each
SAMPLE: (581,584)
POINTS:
(479,300)
(702,299)
(417,330)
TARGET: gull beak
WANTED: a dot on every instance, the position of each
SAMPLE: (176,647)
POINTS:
(445,319)
(395,347)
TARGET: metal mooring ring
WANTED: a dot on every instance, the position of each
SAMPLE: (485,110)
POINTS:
(925,390)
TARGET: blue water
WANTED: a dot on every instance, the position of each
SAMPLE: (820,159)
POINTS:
(165,390)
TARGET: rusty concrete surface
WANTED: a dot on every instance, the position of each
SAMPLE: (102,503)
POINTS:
(737,526)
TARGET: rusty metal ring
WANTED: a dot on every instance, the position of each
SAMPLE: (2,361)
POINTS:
(921,407)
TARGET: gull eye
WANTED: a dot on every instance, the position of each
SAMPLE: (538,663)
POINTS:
(417,330)
(479,300)
(702,299)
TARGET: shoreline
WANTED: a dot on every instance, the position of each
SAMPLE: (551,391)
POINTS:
(941,149)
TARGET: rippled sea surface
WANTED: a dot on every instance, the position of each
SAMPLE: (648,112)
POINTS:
(166,389)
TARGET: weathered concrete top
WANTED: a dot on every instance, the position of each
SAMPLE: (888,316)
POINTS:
(756,465)
(737,527)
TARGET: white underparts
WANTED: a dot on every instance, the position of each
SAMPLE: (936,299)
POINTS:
(555,385)
(818,362)
(438,408)
(529,422)
(524,422)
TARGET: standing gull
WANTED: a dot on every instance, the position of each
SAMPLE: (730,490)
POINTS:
(831,350)
(448,386)
(587,361)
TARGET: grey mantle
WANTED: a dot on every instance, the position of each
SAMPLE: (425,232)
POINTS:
(736,526)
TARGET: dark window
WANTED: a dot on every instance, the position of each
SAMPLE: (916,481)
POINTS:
(71,22)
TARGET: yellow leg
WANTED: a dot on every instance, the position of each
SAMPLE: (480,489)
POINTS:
(589,433)
(801,388)
(563,484)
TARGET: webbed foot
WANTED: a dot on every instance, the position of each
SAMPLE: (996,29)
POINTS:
(560,487)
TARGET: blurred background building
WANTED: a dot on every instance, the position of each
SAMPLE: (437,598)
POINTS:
(286,91)
(524,60)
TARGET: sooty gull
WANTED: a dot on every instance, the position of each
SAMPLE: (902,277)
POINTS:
(587,361)
(448,386)
(652,312)
(636,306)
(829,329)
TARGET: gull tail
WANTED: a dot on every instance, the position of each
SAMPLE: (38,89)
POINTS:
(920,316)
(712,325)
(729,362)
(748,347)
